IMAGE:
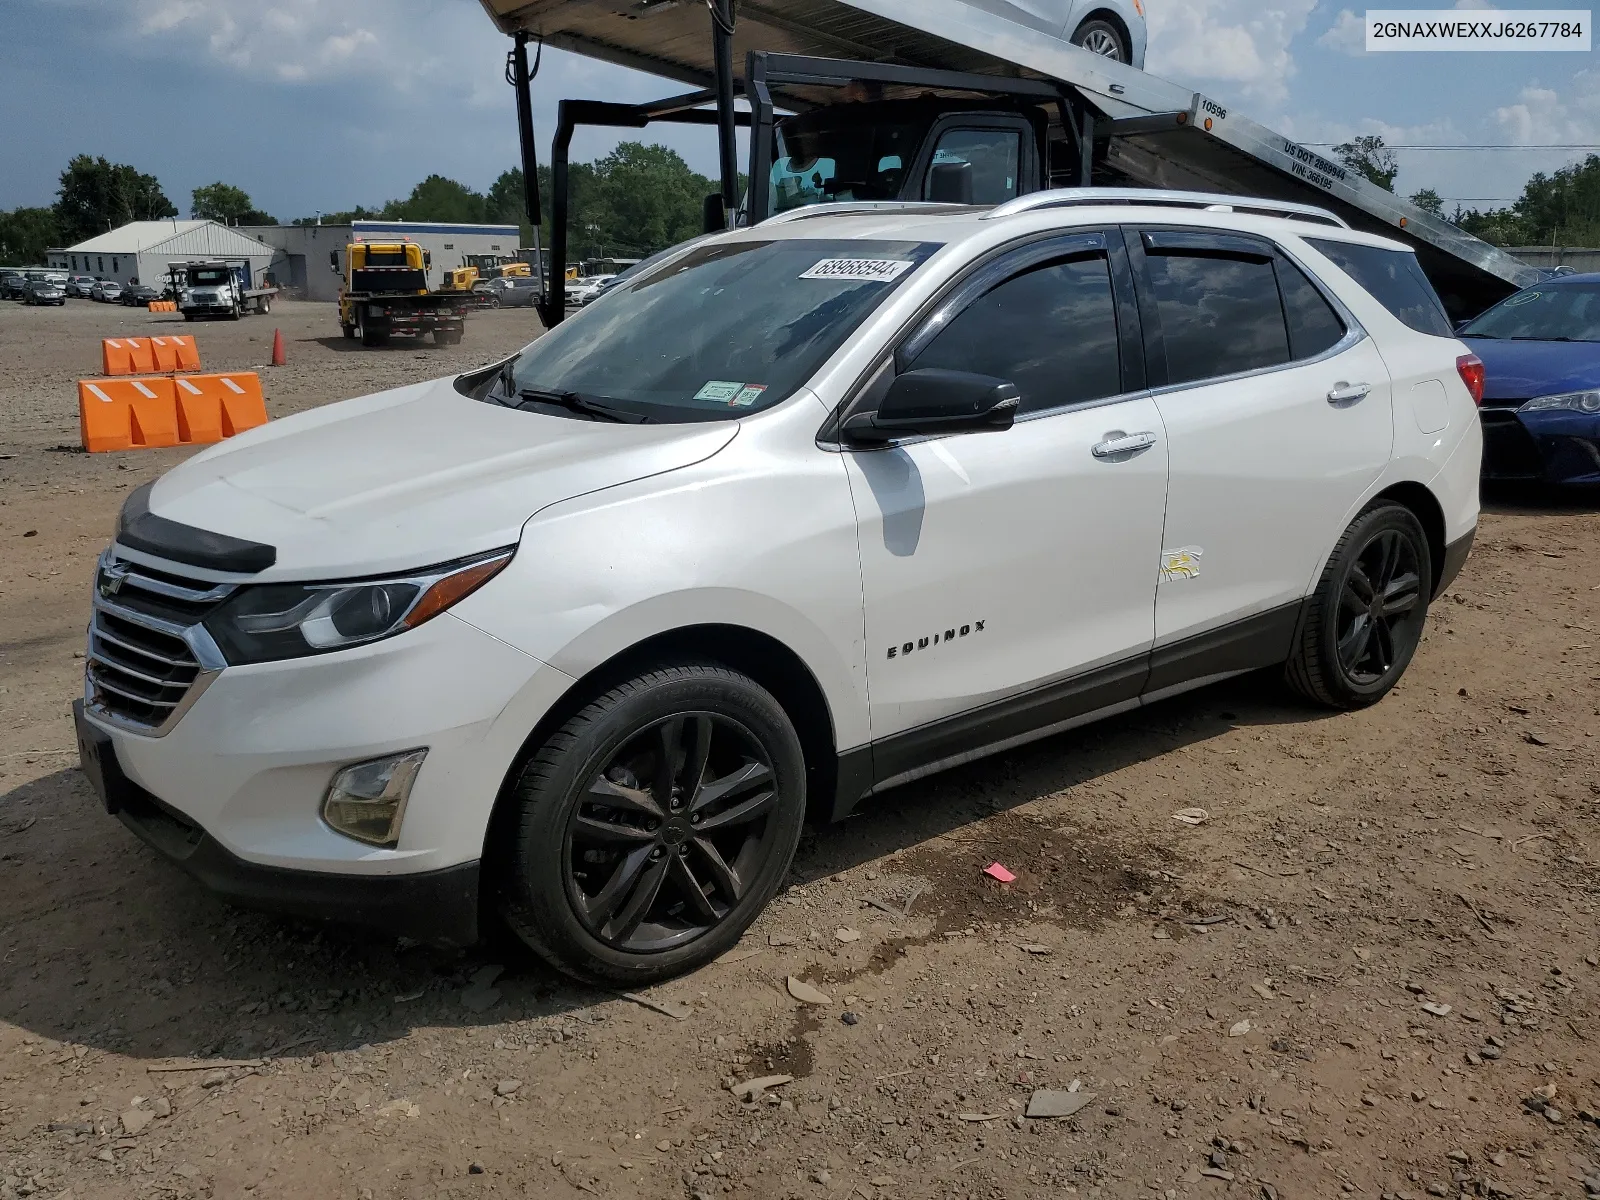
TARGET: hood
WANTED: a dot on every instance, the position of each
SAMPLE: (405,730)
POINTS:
(1523,370)
(411,477)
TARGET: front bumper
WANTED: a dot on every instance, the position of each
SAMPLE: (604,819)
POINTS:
(438,908)
(1553,446)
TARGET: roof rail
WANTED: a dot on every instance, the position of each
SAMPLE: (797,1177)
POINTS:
(839,208)
(1208,201)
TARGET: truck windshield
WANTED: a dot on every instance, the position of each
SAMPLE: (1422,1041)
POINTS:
(209,276)
(836,158)
(1558,312)
(722,331)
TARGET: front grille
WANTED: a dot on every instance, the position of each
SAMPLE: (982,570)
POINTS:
(148,653)
(1509,451)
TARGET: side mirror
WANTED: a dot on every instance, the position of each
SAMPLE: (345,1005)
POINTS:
(714,213)
(427,259)
(333,260)
(950,183)
(936,401)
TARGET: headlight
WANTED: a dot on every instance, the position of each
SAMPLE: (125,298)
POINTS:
(1582,402)
(271,622)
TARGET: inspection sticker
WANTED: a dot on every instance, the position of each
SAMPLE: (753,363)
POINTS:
(748,395)
(867,270)
(719,390)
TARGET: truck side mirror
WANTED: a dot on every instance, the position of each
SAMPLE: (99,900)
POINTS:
(714,213)
(427,258)
(950,183)
(333,260)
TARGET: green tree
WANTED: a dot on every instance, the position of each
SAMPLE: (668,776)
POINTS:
(438,199)
(1369,156)
(223,202)
(96,195)
(25,234)
(1429,201)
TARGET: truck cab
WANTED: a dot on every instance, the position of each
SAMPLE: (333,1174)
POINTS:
(929,149)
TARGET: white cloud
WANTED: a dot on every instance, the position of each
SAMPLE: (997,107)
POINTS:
(1242,43)
(1480,5)
(1347,34)
(1542,115)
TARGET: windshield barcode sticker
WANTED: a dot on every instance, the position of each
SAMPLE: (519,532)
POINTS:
(867,270)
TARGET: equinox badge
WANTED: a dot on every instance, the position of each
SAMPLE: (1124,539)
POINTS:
(924,643)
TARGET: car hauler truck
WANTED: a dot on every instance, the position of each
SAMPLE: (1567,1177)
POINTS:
(888,101)
(217,287)
(384,291)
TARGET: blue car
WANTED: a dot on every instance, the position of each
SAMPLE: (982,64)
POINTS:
(1541,398)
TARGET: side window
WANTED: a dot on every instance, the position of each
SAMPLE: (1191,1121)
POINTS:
(995,155)
(1395,281)
(1313,324)
(1052,331)
(1220,314)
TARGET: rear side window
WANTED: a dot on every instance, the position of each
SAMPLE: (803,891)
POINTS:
(1395,280)
(1052,331)
(1313,324)
(1220,314)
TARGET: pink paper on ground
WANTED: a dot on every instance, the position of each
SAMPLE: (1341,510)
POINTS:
(996,871)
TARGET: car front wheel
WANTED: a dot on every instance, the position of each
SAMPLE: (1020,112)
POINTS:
(1102,38)
(1365,620)
(654,825)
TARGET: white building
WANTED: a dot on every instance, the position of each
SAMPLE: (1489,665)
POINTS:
(300,252)
(141,250)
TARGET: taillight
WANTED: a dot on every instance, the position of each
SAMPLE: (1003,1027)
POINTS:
(1470,368)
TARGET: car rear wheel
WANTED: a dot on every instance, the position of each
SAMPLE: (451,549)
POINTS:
(1103,38)
(1365,620)
(651,828)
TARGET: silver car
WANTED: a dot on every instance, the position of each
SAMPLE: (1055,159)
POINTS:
(106,289)
(1113,28)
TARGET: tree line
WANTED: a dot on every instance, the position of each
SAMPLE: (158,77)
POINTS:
(632,202)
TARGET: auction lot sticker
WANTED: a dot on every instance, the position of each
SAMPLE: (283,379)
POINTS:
(866,270)
(1477,29)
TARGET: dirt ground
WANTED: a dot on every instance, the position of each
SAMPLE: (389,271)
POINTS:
(1354,978)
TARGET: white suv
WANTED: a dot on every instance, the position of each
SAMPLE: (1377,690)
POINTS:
(800,513)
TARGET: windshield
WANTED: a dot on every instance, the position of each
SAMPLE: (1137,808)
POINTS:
(722,331)
(209,276)
(852,160)
(1554,313)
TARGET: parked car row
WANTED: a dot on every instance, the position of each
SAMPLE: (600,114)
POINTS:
(35,285)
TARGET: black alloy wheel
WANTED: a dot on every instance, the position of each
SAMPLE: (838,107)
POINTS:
(647,832)
(1378,606)
(663,845)
(1365,620)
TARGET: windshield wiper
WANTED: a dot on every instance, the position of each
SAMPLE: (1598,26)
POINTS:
(573,402)
(1534,337)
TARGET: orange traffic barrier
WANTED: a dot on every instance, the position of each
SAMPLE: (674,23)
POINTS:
(123,414)
(175,352)
(127,356)
(183,410)
(213,407)
(162,306)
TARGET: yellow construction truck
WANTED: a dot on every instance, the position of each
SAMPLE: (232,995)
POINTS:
(384,291)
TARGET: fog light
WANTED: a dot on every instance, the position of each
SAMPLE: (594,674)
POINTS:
(368,801)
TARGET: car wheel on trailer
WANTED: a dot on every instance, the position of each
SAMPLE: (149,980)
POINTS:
(1364,621)
(648,832)
(1103,38)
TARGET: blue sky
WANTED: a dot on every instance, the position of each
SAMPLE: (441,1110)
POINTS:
(315,104)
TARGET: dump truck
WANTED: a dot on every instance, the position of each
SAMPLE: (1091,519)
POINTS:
(217,287)
(881,102)
(384,291)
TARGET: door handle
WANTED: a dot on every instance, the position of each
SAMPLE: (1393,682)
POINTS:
(1118,442)
(1349,393)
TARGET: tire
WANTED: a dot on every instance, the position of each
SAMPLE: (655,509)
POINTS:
(1103,38)
(349,331)
(236,313)
(601,862)
(447,337)
(1351,650)
(374,337)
